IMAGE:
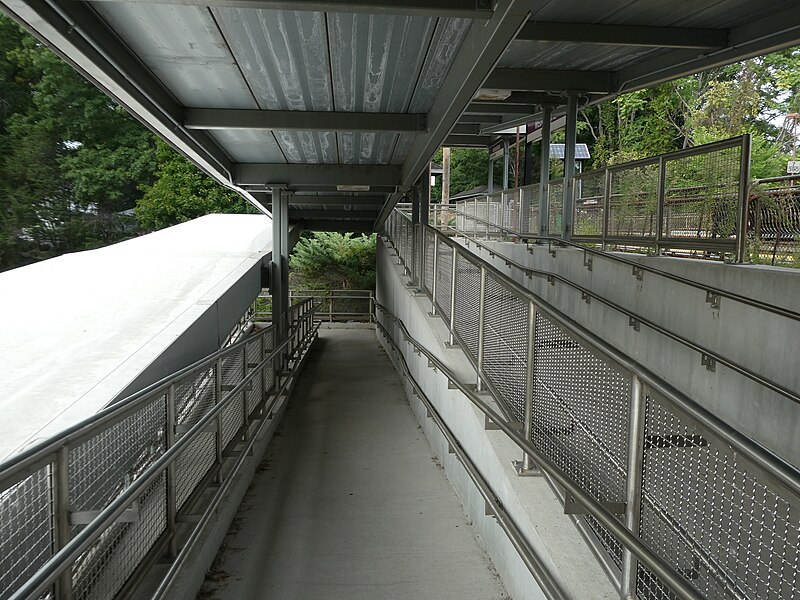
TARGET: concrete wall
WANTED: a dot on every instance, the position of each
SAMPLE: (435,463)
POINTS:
(552,534)
(763,342)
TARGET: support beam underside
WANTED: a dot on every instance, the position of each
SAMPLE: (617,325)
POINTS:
(624,35)
(285,120)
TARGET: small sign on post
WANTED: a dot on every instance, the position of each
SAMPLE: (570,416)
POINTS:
(793,167)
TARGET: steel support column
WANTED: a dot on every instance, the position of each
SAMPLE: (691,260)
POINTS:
(506,156)
(279,282)
(424,210)
(569,165)
(544,172)
(490,182)
(415,278)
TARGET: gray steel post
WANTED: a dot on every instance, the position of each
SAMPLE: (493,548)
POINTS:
(263,370)
(475,220)
(633,488)
(276,281)
(606,207)
(744,200)
(662,194)
(435,272)
(544,173)
(424,210)
(284,201)
(487,215)
(569,166)
(519,211)
(218,420)
(490,182)
(245,413)
(527,461)
(481,325)
(61,524)
(453,297)
(172,484)
(506,156)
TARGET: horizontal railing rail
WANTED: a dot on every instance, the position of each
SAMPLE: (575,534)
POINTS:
(626,437)
(330,305)
(100,501)
(554,243)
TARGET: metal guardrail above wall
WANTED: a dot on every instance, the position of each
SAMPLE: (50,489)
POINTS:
(720,509)
(331,306)
(83,513)
(691,200)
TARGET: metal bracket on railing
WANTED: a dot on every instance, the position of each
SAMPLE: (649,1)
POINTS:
(635,323)
(574,507)
(529,273)
(709,362)
(586,297)
(84,517)
(588,261)
(713,299)
(638,272)
(521,470)
(551,279)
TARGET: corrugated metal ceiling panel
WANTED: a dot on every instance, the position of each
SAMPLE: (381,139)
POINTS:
(249,146)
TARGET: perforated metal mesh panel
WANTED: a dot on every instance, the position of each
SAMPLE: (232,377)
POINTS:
(589,204)
(555,199)
(505,341)
(580,412)
(706,511)
(530,209)
(429,248)
(256,391)
(468,287)
(444,266)
(25,529)
(103,569)
(633,201)
(702,195)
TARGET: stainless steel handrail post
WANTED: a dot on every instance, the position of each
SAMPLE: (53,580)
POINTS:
(372,305)
(245,414)
(607,182)
(453,297)
(662,198)
(435,273)
(172,485)
(744,199)
(481,326)
(527,461)
(633,488)
(261,357)
(218,441)
(61,525)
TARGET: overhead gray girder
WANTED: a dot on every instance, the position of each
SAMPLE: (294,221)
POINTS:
(305,200)
(340,226)
(623,35)
(467,141)
(212,118)
(317,174)
(351,215)
(544,80)
(470,9)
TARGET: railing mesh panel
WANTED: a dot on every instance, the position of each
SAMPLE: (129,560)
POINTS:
(702,195)
(589,204)
(580,412)
(103,569)
(429,248)
(633,201)
(25,529)
(706,513)
(555,198)
(232,415)
(444,266)
(468,288)
(530,210)
(256,391)
(505,342)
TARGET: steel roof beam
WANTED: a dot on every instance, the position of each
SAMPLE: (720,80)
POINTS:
(467,141)
(480,118)
(350,215)
(284,120)
(465,129)
(470,9)
(317,174)
(549,80)
(340,226)
(498,108)
(624,35)
(297,200)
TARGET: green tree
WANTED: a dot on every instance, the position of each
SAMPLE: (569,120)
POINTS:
(332,259)
(182,192)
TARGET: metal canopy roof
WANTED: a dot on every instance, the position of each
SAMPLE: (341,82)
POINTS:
(315,95)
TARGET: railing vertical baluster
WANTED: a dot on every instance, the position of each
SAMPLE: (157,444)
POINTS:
(453,297)
(520,195)
(435,272)
(372,304)
(488,219)
(744,199)
(481,325)
(608,179)
(61,525)
(172,484)
(218,441)
(330,306)
(245,413)
(662,195)
(475,214)
(527,461)
(633,487)
(261,357)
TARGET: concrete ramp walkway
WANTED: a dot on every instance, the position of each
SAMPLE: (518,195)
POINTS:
(348,503)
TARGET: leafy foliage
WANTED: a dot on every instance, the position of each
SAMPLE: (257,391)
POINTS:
(336,260)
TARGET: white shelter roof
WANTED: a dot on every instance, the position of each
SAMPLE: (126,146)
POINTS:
(78,329)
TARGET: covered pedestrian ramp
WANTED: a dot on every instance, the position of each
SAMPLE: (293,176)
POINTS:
(612,425)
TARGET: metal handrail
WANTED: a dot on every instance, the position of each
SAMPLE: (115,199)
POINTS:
(755,303)
(528,555)
(61,560)
(742,370)
(780,469)
(596,509)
